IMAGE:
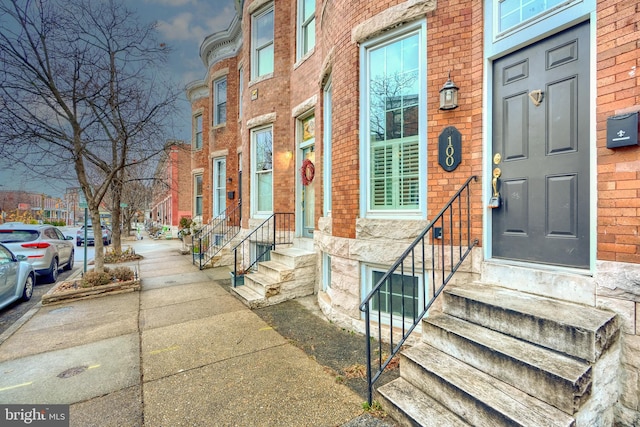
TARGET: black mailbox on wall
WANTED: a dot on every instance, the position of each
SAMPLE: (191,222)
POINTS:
(622,130)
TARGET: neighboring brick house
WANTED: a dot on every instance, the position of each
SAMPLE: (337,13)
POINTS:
(537,83)
(17,205)
(172,186)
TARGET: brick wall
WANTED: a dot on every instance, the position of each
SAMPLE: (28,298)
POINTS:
(199,157)
(225,136)
(618,92)
(271,96)
(184,181)
(454,44)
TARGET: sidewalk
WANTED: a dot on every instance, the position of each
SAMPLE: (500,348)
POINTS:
(182,351)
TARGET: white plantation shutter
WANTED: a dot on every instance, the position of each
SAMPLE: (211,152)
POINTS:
(409,175)
(395,174)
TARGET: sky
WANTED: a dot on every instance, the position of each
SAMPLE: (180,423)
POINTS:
(182,25)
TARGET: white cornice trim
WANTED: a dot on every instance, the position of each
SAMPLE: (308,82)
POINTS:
(261,120)
(392,17)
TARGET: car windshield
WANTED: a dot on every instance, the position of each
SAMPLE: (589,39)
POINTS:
(16,236)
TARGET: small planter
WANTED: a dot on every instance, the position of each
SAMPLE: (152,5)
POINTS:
(55,297)
(236,280)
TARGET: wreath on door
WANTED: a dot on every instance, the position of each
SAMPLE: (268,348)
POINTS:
(307,172)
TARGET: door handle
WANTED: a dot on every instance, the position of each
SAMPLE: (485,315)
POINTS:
(494,202)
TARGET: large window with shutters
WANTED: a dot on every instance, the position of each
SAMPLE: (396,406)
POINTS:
(394,144)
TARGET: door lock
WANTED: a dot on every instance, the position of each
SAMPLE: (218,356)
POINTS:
(494,202)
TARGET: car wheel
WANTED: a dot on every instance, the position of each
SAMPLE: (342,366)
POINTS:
(53,272)
(27,293)
(69,265)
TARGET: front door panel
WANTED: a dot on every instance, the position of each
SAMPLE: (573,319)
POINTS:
(541,131)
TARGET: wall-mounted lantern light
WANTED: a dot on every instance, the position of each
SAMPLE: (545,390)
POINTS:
(449,95)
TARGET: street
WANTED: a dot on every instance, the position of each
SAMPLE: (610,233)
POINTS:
(10,314)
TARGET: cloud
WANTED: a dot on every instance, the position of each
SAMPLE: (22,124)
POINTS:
(172,3)
(191,26)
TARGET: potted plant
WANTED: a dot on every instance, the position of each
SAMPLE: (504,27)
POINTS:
(237,279)
(196,252)
(184,232)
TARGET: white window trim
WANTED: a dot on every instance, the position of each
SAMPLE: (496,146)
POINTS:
(195,131)
(300,146)
(216,101)
(195,196)
(254,193)
(326,271)
(254,48)
(327,125)
(365,152)
(217,162)
(240,91)
(367,285)
(300,28)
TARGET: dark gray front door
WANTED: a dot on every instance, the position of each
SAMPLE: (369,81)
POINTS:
(541,148)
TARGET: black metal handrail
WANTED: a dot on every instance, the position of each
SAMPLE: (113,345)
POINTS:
(410,266)
(278,229)
(214,236)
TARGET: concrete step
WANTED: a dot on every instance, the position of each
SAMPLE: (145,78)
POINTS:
(294,257)
(576,330)
(556,379)
(406,403)
(476,397)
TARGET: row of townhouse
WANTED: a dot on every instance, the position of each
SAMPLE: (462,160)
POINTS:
(361,119)
(171,189)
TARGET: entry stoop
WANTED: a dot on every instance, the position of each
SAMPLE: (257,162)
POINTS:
(500,357)
(291,273)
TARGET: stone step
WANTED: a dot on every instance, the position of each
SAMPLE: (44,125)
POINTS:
(476,397)
(576,330)
(405,402)
(556,379)
(262,284)
(249,297)
(276,270)
(294,257)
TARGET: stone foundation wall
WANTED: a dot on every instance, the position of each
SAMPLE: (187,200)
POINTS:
(618,289)
(379,243)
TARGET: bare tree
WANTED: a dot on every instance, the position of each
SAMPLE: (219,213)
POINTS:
(81,90)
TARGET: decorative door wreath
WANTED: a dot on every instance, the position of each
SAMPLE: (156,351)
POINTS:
(307,172)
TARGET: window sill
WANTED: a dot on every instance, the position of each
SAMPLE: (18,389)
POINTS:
(260,79)
(304,57)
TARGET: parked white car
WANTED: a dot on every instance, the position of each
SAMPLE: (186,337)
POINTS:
(44,246)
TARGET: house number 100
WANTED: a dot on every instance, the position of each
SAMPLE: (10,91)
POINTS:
(449,148)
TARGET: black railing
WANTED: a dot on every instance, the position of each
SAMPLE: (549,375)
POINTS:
(214,236)
(276,230)
(396,298)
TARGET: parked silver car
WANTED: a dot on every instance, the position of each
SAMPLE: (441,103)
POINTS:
(45,247)
(16,278)
(106,235)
